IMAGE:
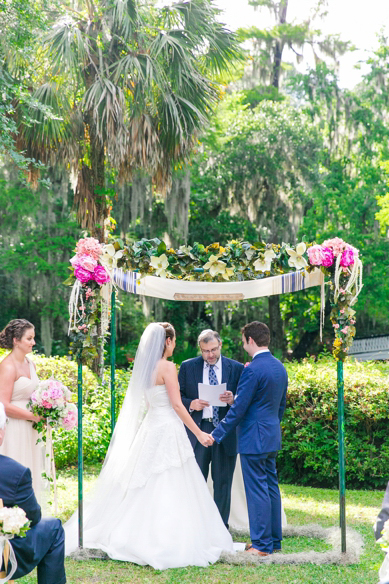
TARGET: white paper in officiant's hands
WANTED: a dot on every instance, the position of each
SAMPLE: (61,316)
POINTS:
(210,393)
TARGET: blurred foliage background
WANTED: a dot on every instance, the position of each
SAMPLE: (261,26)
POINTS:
(281,154)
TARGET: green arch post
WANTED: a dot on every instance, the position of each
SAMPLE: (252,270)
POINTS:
(342,477)
(80,457)
(113,359)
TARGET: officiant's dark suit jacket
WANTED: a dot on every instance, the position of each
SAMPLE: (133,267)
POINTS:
(44,545)
(221,458)
(191,374)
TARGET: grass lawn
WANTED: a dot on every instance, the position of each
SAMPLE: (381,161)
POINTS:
(302,505)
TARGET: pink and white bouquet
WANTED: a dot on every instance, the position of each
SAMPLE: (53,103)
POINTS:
(326,254)
(52,401)
(87,262)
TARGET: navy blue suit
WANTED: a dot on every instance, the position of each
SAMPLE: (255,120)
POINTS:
(256,413)
(44,545)
(223,456)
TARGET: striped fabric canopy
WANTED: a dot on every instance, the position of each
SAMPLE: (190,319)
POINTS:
(170,289)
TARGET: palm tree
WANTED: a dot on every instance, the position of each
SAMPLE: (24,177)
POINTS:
(124,85)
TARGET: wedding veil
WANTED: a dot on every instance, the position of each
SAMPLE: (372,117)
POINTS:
(118,461)
(149,352)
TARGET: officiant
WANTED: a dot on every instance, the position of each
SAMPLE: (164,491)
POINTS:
(211,368)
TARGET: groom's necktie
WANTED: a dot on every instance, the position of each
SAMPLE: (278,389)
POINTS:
(213,381)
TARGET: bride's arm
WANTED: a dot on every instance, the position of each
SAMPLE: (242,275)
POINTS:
(7,380)
(169,373)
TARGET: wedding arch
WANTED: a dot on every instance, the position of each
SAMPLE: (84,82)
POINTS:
(237,271)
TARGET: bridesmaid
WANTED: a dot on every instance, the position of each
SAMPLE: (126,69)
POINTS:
(18,379)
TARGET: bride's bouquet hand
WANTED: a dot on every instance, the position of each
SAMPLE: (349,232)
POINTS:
(205,439)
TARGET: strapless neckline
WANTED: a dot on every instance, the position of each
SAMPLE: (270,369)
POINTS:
(30,366)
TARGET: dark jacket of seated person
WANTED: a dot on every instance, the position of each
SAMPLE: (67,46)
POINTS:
(44,545)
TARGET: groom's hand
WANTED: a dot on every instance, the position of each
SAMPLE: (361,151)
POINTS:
(198,404)
(227,397)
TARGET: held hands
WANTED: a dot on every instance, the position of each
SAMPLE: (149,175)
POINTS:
(205,439)
(198,404)
(227,397)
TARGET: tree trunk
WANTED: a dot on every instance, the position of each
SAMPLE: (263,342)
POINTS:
(279,46)
(46,334)
(309,340)
(277,337)
(97,157)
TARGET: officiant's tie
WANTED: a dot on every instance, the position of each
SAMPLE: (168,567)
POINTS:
(213,381)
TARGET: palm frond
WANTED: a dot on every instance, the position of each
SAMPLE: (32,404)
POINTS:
(106,101)
(68,45)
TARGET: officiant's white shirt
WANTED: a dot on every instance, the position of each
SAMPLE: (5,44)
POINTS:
(207,411)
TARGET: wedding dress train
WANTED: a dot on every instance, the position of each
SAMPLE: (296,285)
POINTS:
(157,510)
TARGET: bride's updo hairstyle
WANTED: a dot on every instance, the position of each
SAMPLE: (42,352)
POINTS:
(169,331)
(15,329)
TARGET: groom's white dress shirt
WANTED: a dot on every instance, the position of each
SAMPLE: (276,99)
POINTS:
(207,411)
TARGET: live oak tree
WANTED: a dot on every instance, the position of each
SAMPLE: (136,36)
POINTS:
(268,45)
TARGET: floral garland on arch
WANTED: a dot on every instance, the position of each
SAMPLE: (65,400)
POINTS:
(90,297)
(237,261)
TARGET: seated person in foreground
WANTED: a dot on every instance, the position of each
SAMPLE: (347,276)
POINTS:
(44,545)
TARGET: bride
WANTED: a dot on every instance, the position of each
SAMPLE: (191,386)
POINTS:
(151,504)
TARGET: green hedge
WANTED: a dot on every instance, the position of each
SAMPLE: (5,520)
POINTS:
(310,431)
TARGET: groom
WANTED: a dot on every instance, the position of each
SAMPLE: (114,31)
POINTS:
(212,368)
(257,412)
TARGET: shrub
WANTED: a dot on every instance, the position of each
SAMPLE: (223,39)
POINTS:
(310,429)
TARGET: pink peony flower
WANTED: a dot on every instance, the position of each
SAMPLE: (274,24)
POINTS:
(336,244)
(342,311)
(315,255)
(100,275)
(83,275)
(75,261)
(56,393)
(344,330)
(87,262)
(353,321)
(70,420)
(336,326)
(55,384)
(89,246)
(327,257)
(46,404)
(348,256)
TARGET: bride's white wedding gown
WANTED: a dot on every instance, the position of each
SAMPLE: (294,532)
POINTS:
(158,510)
